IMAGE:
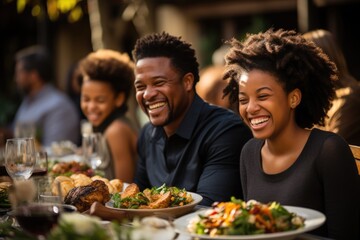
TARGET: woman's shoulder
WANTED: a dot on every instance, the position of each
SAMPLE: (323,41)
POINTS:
(323,135)
(119,128)
(329,142)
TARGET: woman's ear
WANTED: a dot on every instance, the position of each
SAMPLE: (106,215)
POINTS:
(294,98)
(120,99)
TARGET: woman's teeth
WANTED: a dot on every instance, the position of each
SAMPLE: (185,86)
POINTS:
(257,121)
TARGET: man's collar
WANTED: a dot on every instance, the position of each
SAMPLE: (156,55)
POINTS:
(187,125)
(40,93)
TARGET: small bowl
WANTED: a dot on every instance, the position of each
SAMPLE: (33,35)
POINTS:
(68,208)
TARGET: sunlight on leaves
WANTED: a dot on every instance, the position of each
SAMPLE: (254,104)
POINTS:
(52,10)
(20,5)
(66,5)
(75,14)
(36,10)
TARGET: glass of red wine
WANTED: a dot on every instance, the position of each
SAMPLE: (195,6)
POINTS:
(38,219)
(41,166)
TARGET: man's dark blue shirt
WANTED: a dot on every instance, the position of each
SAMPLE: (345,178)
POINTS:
(202,156)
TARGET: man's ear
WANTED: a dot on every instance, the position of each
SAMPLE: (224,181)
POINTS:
(188,81)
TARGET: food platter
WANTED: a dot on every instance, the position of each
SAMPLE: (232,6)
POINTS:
(313,220)
(67,158)
(171,212)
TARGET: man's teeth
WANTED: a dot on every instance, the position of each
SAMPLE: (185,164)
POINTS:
(156,105)
(259,120)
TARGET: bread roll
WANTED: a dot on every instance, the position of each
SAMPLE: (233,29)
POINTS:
(66,184)
(80,179)
(117,185)
(96,177)
(63,178)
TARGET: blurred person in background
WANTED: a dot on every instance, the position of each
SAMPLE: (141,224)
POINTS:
(73,87)
(106,84)
(344,115)
(188,143)
(211,85)
(51,112)
(73,90)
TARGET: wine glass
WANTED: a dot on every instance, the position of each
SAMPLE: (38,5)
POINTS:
(38,219)
(41,166)
(95,150)
(20,157)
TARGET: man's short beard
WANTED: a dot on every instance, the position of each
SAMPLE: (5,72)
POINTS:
(167,121)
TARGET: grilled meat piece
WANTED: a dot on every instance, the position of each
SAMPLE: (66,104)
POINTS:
(130,191)
(83,197)
(162,202)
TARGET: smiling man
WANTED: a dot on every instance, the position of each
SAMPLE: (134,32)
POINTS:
(187,143)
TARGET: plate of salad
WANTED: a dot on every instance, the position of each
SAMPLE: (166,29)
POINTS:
(163,201)
(242,220)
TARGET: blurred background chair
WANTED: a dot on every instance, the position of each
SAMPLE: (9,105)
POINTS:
(356,152)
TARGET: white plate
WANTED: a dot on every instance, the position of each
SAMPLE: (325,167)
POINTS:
(313,219)
(171,212)
(68,158)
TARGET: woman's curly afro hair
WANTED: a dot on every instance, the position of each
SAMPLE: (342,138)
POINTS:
(296,62)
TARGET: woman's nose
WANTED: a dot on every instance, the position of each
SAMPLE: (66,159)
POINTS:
(91,105)
(252,106)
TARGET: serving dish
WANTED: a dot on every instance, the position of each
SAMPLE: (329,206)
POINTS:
(171,212)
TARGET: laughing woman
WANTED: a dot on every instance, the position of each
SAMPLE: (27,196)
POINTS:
(107,81)
(284,85)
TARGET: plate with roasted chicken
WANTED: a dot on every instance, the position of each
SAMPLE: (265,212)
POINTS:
(163,201)
(82,191)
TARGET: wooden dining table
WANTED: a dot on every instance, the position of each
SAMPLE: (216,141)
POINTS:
(109,215)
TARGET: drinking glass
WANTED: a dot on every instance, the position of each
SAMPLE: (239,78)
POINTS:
(41,166)
(38,218)
(49,189)
(86,127)
(20,157)
(95,150)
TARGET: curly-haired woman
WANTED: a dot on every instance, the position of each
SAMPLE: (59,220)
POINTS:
(106,84)
(284,85)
